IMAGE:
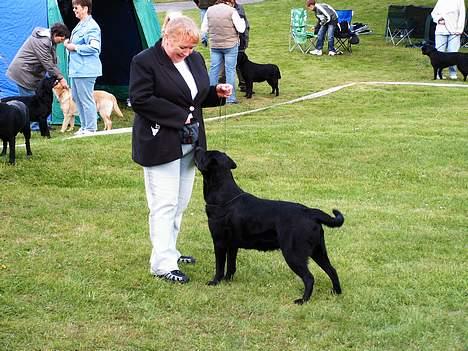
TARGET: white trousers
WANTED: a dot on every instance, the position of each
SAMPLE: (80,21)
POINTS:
(168,191)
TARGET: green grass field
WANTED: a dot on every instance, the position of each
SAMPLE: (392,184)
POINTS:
(74,244)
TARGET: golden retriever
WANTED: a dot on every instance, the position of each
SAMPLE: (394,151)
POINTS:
(105,104)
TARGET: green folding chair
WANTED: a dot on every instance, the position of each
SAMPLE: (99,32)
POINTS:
(300,35)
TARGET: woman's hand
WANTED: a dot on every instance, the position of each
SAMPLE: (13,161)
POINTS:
(224,90)
(69,46)
(64,83)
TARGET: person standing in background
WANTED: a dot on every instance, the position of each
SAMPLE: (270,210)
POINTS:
(243,42)
(327,20)
(223,24)
(203,6)
(450,18)
(84,65)
(37,57)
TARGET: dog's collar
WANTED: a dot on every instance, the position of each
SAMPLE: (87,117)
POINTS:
(226,203)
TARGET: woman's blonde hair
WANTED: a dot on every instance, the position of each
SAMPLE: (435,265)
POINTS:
(170,15)
(182,28)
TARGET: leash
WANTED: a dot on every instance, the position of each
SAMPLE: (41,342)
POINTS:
(220,115)
(451,34)
(242,193)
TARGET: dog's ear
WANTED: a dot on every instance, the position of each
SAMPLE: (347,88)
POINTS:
(241,57)
(229,162)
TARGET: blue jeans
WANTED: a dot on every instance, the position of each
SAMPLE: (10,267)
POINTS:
(330,29)
(82,92)
(28,92)
(228,57)
(202,15)
(448,43)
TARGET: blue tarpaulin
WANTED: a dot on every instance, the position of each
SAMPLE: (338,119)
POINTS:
(127,27)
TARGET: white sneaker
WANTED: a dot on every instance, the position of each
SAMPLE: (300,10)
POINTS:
(87,132)
(331,53)
(453,77)
(316,52)
(78,132)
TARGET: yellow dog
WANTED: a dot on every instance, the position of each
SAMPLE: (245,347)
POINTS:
(105,104)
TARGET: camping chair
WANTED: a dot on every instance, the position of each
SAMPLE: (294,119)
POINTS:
(399,26)
(464,37)
(299,35)
(343,31)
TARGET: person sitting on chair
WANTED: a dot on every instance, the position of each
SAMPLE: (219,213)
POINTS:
(328,19)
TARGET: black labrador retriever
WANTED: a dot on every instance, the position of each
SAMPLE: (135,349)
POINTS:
(39,104)
(441,60)
(240,220)
(14,118)
(256,72)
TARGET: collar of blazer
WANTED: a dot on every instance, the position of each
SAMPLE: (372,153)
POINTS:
(194,66)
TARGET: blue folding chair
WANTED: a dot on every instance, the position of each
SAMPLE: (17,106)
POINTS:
(343,31)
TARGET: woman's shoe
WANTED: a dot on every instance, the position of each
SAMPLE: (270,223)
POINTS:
(174,276)
(187,260)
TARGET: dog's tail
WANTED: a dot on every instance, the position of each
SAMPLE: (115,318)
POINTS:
(279,73)
(116,107)
(330,221)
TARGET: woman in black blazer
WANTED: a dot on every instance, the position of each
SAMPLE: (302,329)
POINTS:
(168,88)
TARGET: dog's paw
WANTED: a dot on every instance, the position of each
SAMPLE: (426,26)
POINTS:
(335,292)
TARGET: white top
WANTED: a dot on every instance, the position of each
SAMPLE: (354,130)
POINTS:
(453,13)
(188,77)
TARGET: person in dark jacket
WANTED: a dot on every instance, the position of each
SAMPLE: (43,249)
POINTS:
(243,42)
(327,20)
(168,87)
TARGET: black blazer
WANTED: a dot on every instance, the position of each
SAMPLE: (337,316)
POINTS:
(162,101)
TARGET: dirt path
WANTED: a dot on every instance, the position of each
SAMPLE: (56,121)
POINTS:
(189,5)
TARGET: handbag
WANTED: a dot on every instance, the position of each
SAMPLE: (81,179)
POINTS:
(189,133)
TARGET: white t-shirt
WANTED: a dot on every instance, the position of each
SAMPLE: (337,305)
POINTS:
(188,77)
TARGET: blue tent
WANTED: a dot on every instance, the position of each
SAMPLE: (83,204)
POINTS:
(128,26)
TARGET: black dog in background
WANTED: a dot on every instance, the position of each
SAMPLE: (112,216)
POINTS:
(256,72)
(240,220)
(14,118)
(39,104)
(441,60)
